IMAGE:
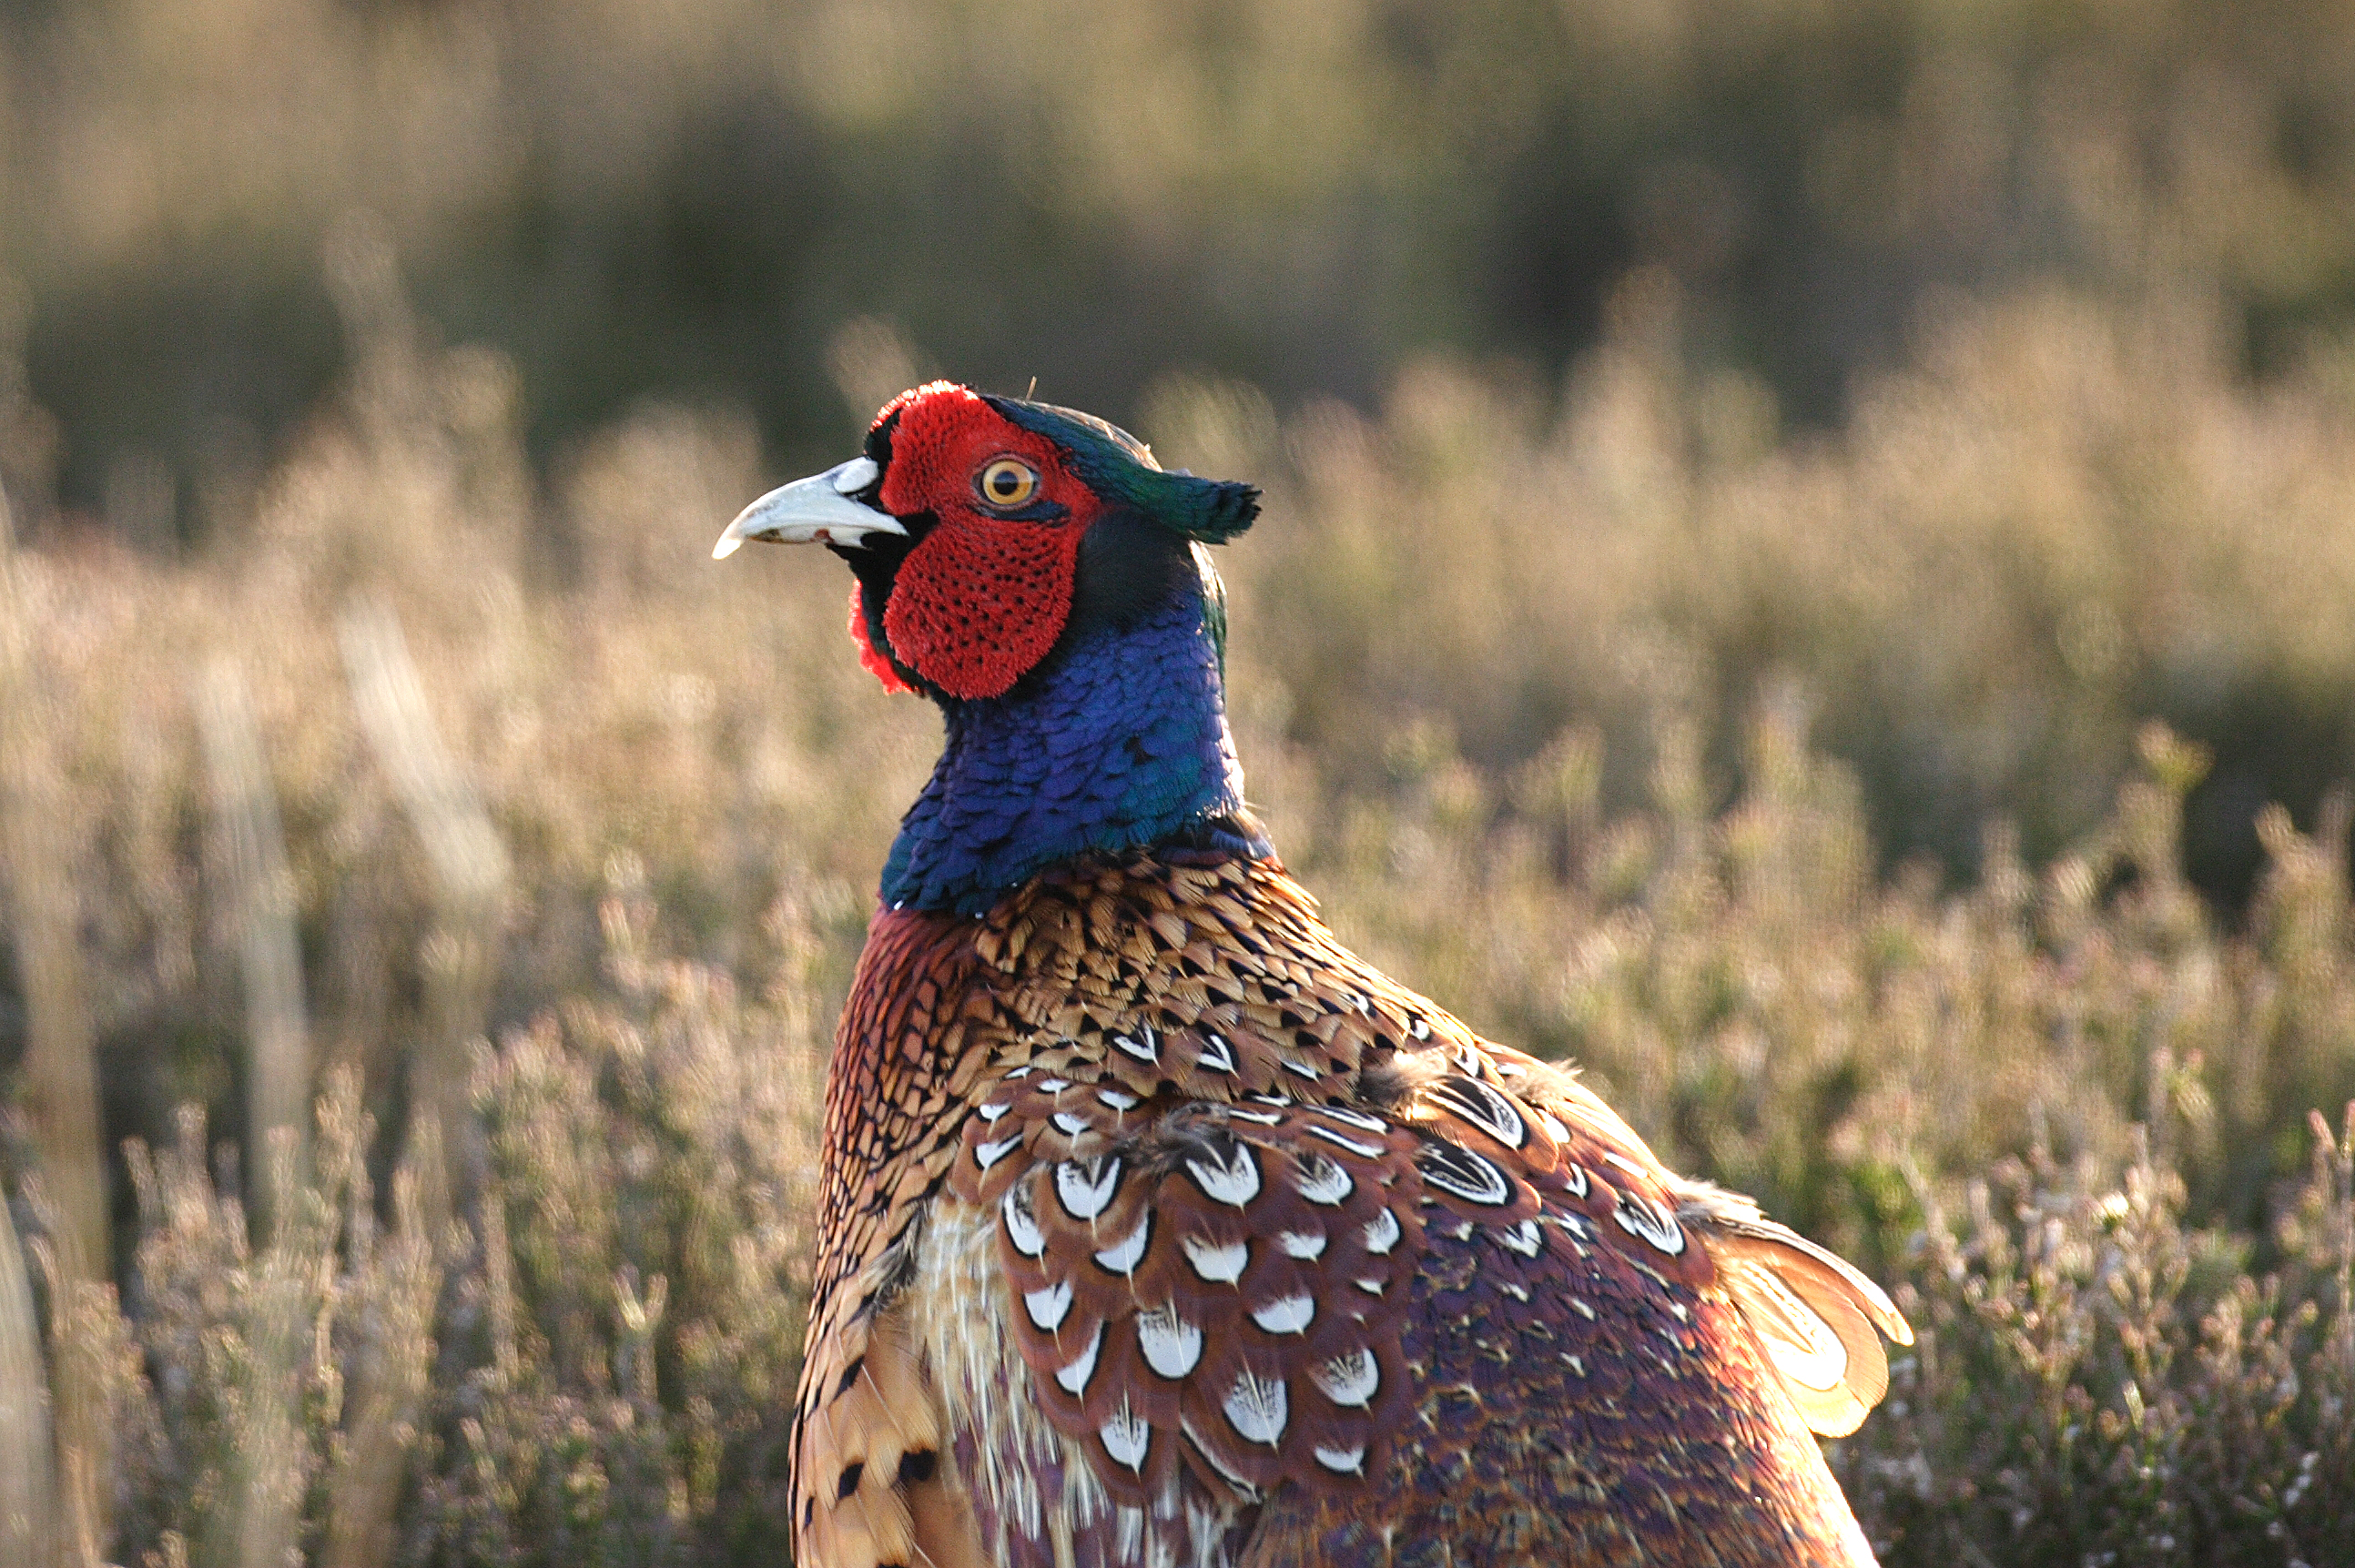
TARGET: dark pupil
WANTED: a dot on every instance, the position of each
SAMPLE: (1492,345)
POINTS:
(1006,482)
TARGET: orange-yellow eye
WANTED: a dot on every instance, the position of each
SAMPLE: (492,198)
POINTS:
(1009,481)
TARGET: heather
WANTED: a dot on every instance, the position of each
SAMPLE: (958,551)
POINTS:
(1864,672)
(537,845)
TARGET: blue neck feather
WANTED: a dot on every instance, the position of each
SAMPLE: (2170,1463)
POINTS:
(1121,743)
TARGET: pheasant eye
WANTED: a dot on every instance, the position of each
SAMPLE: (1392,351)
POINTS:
(1009,481)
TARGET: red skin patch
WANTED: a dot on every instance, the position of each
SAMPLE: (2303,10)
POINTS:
(870,658)
(983,598)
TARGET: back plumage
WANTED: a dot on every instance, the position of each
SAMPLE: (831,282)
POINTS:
(1156,1227)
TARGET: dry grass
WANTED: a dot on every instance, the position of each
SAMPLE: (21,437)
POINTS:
(576,828)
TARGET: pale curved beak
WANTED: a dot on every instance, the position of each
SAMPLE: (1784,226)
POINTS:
(816,510)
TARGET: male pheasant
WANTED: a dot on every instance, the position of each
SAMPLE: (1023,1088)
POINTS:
(1157,1227)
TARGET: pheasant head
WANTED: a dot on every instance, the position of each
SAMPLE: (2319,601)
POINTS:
(988,532)
(1037,574)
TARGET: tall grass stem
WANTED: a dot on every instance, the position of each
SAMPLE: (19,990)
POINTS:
(261,911)
(471,871)
(61,1047)
(27,1460)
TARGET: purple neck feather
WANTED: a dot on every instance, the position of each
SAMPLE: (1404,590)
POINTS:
(1120,743)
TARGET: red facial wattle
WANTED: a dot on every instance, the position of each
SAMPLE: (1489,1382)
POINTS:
(972,614)
(983,597)
(872,658)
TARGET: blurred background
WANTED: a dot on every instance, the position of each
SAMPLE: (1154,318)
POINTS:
(1809,566)
(682,206)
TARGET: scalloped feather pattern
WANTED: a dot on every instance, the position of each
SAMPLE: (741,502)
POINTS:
(1160,1228)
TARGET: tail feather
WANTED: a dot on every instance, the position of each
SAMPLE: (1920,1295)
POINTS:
(1814,1313)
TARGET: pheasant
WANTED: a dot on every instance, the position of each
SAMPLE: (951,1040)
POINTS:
(1155,1226)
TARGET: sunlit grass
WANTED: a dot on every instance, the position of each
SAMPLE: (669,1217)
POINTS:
(578,829)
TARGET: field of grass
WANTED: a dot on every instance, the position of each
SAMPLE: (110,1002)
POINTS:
(444,880)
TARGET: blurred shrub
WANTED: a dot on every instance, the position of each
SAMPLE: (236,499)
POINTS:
(1494,678)
(1299,193)
(604,1372)
(2113,498)
(621,1368)
(2065,519)
(2094,1381)
(601,1370)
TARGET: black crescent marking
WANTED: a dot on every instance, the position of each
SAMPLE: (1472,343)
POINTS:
(1086,1189)
(1229,1177)
(1639,1218)
(1242,1489)
(1322,1180)
(1472,1177)
(1123,1256)
(1349,1461)
(1356,1119)
(1022,1228)
(1074,1376)
(1258,1409)
(1343,1140)
(1126,1437)
(1472,1101)
(1576,1224)
(1350,1380)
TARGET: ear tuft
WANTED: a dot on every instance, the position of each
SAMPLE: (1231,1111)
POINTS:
(1208,511)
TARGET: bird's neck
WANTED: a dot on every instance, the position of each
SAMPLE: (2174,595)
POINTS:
(1120,743)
